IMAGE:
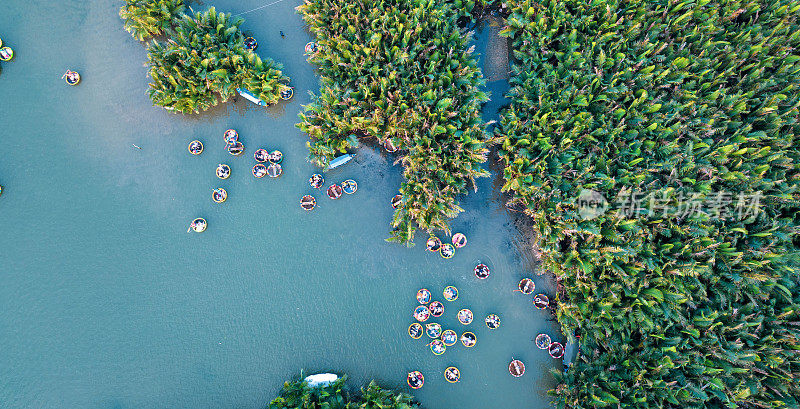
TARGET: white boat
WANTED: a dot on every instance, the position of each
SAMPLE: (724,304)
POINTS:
(339,161)
(250,97)
(321,379)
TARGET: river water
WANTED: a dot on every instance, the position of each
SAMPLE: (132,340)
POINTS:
(107,302)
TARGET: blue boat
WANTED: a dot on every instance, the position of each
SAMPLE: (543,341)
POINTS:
(250,97)
(339,161)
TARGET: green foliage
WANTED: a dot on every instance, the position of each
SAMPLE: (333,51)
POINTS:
(675,100)
(297,394)
(150,18)
(400,70)
(204,60)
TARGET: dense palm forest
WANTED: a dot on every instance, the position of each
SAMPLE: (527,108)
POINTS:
(297,395)
(683,115)
(400,72)
(203,59)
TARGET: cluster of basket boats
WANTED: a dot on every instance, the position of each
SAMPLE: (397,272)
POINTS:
(540,301)
(434,244)
(267,164)
(440,338)
(443,338)
(334,191)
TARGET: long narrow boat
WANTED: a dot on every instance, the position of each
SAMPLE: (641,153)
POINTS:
(321,379)
(339,161)
(250,97)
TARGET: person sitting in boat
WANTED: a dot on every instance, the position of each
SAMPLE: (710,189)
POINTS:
(451,374)
(482,271)
(415,381)
(316,181)
(447,250)
(437,308)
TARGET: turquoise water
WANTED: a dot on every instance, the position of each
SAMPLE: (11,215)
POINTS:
(107,302)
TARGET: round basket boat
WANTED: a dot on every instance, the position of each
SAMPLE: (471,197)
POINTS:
(308,202)
(492,321)
(311,47)
(276,156)
(449,337)
(459,240)
(219,195)
(465,316)
(541,301)
(230,136)
(334,191)
(287,94)
(71,77)
(274,170)
(316,181)
(250,43)
(433,244)
(437,347)
(389,145)
(450,293)
(433,330)
(195,147)
(415,380)
(236,149)
(349,186)
(437,308)
(556,350)
(482,271)
(259,170)
(526,286)
(422,313)
(223,171)
(423,296)
(468,339)
(415,330)
(542,341)
(452,374)
(516,368)
(199,225)
(447,250)
(6,54)
(261,155)
(396,200)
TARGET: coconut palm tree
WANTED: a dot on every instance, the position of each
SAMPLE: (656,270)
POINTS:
(150,18)
(675,305)
(204,62)
(400,71)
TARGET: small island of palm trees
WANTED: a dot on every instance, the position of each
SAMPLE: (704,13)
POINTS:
(204,59)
